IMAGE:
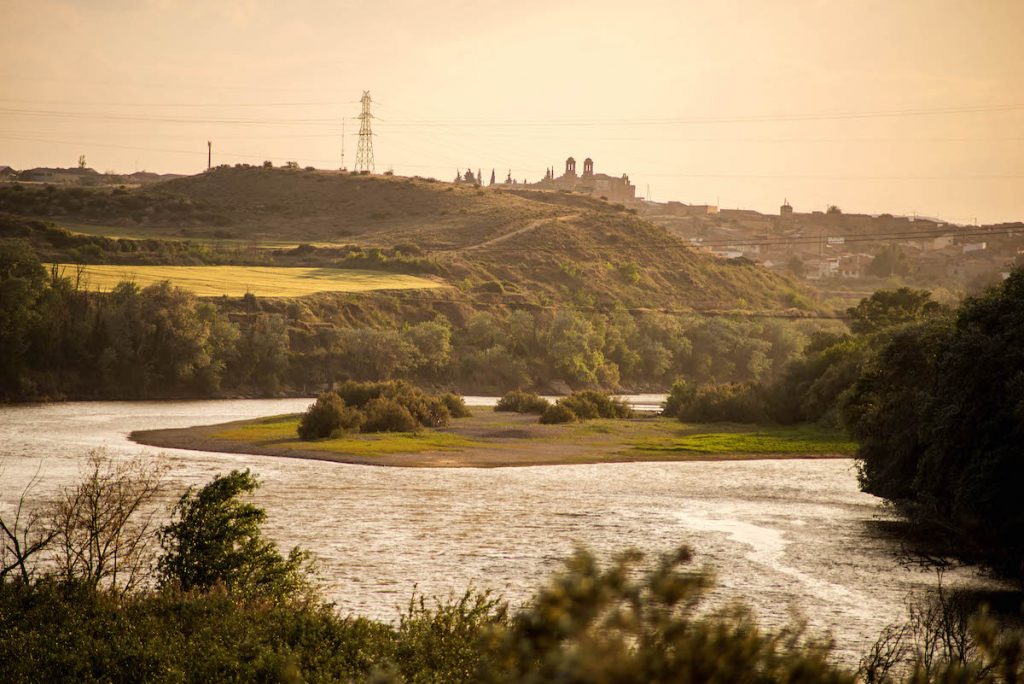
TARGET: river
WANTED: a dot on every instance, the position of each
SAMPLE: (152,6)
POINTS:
(779,535)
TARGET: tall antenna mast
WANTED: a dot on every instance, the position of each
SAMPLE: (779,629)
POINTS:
(364,153)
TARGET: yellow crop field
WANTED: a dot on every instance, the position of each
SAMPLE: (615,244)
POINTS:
(263,281)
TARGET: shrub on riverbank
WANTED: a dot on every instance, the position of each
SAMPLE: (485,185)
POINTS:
(327,416)
(731,402)
(387,415)
(395,406)
(517,401)
(456,405)
(585,405)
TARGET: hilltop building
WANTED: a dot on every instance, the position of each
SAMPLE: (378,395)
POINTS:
(596,184)
(71,176)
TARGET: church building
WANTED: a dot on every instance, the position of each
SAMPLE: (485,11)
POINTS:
(596,184)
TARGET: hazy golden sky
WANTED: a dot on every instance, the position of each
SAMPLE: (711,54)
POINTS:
(874,105)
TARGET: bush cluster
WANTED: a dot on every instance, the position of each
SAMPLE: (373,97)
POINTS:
(728,402)
(394,406)
(517,401)
(327,416)
(585,405)
(456,405)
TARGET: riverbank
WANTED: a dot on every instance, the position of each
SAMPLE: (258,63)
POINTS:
(490,439)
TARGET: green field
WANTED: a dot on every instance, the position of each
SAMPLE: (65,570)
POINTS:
(765,439)
(264,281)
(281,431)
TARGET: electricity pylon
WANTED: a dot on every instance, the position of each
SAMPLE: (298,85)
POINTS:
(364,153)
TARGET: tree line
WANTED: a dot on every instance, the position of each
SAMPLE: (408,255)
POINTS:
(60,340)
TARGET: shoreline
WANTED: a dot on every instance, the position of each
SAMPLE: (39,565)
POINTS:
(491,440)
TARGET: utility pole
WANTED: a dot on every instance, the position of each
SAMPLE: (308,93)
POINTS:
(209,155)
(364,153)
(343,144)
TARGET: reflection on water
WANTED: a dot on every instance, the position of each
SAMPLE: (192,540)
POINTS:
(780,535)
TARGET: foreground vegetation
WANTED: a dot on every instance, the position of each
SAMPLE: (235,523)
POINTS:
(209,598)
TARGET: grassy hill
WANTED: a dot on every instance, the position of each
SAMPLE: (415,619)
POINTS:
(326,206)
(497,246)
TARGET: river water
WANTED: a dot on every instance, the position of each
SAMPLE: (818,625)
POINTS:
(781,536)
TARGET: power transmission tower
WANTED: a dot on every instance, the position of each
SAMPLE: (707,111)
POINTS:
(364,153)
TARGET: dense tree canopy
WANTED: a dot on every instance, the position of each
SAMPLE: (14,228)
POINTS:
(940,418)
(63,340)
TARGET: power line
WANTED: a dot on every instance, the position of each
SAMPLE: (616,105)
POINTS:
(179,104)
(821,116)
(640,173)
(449,123)
(43,113)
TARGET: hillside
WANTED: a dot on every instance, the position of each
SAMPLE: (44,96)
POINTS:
(498,247)
(501,245)
(326,206)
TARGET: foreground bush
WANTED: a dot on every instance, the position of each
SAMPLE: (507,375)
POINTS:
(590,623)
(585,405)
(216,540)
(522,402)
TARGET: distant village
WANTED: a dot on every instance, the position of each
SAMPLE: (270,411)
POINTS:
(833,247)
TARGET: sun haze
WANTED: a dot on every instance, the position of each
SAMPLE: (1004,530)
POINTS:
(913,107)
